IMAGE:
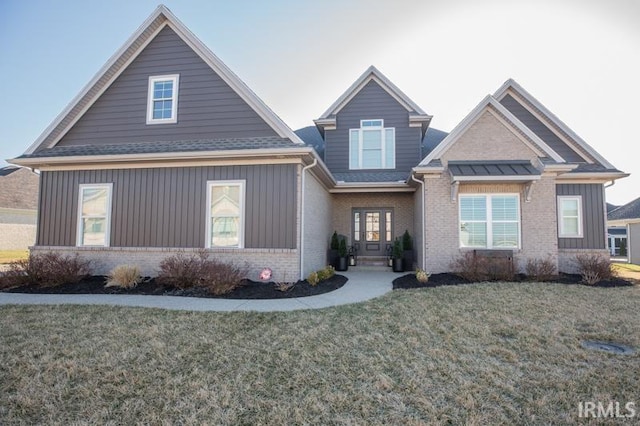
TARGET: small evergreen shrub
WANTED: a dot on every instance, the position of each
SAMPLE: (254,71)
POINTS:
(313,279)
(594,268)
(124,276)
(422,276)
(326,273)
(407,242)
(46,270)
(335,243)
(540,269)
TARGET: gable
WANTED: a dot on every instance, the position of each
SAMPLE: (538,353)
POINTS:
(541,129)
(208,108)
(489,138)
(373,102)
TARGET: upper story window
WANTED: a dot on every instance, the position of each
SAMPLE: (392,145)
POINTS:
(372,146)
(94,215)
(162,102)
(490,221)
(570,216)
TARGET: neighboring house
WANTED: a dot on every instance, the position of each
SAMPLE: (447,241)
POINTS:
(166,150)
(624,231)
(18,207)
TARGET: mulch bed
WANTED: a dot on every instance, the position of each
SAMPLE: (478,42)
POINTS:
(247,290)
(409,281)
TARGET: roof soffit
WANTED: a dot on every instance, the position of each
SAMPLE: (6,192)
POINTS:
(114,67)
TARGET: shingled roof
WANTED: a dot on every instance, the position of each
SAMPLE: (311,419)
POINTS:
(628,211)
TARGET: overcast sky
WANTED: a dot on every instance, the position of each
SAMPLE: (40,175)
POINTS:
(580,58)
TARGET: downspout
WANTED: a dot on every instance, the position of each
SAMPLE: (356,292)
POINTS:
(304,169)
(424,220)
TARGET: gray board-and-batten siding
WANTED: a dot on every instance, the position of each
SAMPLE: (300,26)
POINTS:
(592,216)
(373,102)
(208,108)
(166,207)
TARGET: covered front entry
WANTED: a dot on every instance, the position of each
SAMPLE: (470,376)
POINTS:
(372,230)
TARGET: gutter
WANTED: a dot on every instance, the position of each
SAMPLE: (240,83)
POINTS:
(304,169)
(424,220)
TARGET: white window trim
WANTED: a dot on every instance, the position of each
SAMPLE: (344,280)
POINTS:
(174,106)
(383,142)
(109,187)
(212,183)
(489,222)
(561,231)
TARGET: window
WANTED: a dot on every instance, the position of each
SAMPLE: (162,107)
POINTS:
(570,216)
(372,146)
(162,103)
(490,221)
(94,215)
(225,217)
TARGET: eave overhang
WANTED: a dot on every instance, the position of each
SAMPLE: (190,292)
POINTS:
(369,187)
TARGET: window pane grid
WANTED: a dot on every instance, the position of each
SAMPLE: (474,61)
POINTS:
(372,146)
(93,225)
(489,221)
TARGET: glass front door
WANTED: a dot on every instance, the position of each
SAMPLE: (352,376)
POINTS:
(372,231)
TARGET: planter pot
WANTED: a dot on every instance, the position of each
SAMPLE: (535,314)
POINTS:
(398,264)
(332,257)
(407,256)
(342,264)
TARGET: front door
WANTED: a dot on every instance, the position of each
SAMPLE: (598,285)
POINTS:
(372,230)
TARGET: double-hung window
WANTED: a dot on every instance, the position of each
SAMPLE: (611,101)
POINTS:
(372,146)
(162,102)
(225,213)
(570,216)
(94,215)
(489,221)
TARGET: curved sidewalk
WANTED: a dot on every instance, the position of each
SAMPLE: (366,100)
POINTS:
(360,287)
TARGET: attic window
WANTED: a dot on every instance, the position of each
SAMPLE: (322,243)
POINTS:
(372,146)
(162,101)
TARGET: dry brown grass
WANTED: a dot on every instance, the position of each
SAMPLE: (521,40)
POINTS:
(124,276)
(493,353)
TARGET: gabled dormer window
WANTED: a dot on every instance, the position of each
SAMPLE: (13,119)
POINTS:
(162,102)
(372,146)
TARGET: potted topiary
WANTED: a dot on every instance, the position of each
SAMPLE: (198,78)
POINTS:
(332,254)
(343,258)
(407,248)
(397,252)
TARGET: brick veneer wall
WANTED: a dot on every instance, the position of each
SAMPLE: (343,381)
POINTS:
(317,225)
(402,204)
(284,262)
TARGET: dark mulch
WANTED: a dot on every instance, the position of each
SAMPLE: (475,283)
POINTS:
(436,280)
(247,290)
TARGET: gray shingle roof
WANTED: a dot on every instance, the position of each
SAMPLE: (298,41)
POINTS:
(628,211)
(6,171)
(372,176)
(592,168)
(492,168)
(165,146)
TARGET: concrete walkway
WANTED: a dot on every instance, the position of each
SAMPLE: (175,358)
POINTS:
(360,287)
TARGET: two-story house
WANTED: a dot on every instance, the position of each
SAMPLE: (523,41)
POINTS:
(167,150)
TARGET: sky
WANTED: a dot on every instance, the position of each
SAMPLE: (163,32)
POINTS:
(580,58)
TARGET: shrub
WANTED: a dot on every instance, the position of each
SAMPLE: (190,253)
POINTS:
(422,276)
(540,269)
(342,248)
(313,279)
(326,273)
(215,276)
(284,286)
(335,243)
(46,270)
(124,276)
(407,242)
(593,268)
(475,268)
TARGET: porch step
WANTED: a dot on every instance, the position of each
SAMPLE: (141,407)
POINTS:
(372,261)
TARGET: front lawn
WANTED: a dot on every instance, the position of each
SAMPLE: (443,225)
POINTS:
(492,353)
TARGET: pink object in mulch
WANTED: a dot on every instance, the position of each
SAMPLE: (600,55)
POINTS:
(265,275)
